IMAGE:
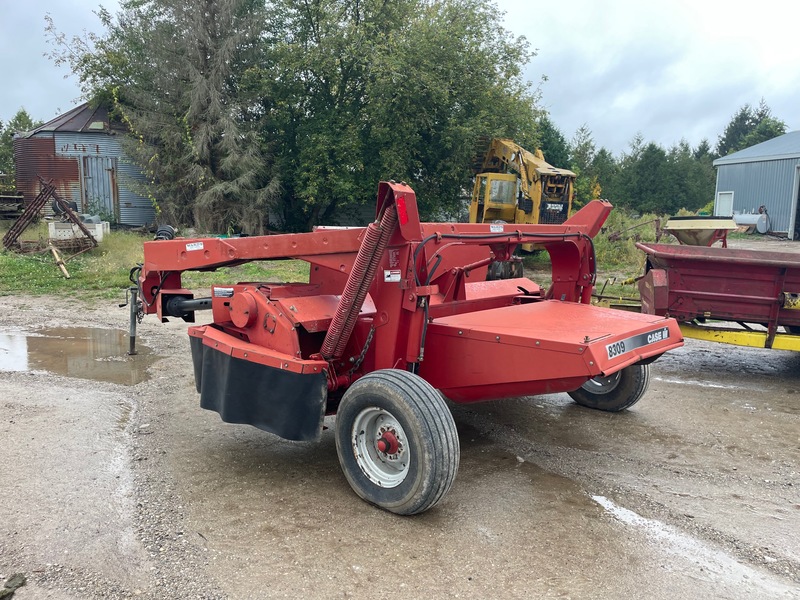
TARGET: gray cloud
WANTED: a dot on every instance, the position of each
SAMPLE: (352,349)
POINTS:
(670,70)
(30,80)
(623,67)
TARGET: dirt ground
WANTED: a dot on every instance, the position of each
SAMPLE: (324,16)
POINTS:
(118,489)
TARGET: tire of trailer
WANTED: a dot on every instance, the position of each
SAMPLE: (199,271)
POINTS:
(792,329)
(616,392)
(412,471)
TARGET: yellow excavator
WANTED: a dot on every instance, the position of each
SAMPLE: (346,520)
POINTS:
(514,185)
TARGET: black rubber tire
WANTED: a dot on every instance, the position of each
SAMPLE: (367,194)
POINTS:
(495,272)
(430,433)
(616,392)
(793,329)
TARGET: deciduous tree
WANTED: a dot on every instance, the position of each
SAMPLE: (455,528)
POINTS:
(302,106)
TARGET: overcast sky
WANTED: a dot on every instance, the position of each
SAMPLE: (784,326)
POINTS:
(668,69)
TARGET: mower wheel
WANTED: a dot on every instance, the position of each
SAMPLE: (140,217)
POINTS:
(397,441)
(616,392)
(496,271)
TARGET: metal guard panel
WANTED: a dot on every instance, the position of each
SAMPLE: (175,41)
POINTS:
(542,347)
(286,403)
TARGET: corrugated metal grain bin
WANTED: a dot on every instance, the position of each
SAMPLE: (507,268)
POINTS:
(85,160)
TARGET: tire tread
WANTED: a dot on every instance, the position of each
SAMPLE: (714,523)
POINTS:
(636,379)
(425,402)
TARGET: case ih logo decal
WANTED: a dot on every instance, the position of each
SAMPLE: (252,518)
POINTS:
(637,341)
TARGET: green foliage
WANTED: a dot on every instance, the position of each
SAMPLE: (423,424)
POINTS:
(284,114)
(19,122)
(766,129)
(172,72)
(615,245)
(748,127)
(552,143)
(582,152)
(240,107)
(276,271)
(650,179)
(708,209)
(371,90)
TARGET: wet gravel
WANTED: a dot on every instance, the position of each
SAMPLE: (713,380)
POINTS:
(118,491)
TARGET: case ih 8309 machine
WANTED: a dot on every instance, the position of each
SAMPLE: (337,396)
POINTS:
(394,316)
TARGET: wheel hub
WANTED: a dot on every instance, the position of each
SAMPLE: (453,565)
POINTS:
(601,384)
(388,443)
(380,447)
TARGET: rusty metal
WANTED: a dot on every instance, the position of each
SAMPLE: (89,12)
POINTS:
(33,210)
(77,151)
(35,157)
(30,213)
(71,216)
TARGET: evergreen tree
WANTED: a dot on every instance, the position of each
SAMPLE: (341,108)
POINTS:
(582,154)
(552,143)
(19,123)
(748,127)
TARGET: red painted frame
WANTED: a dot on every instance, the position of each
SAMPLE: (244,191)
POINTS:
(429,309)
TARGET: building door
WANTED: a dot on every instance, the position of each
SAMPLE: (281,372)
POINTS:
(723,207)
(100,187)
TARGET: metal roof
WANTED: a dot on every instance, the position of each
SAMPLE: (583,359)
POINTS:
(781,147)
(82,118)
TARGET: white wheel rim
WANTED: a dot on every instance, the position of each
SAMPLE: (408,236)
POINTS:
(602,385)
(387,468)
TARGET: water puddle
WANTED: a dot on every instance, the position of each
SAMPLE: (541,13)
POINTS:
(715,563)
(709,384)
(83,352)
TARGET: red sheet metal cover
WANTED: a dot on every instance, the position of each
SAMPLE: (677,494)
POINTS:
(541,347)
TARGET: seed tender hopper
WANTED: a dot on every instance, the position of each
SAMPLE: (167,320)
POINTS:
(394,316)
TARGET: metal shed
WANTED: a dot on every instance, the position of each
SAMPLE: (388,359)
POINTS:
(768,175)
(81,152)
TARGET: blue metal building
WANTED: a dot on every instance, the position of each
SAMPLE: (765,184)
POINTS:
(765,175)
(80,151)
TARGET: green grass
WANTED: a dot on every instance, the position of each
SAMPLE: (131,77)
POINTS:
(619,261)
(103,272)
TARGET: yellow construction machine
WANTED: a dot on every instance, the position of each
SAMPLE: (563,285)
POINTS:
(514,185)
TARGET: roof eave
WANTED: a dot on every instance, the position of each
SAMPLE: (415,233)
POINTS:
(726,160)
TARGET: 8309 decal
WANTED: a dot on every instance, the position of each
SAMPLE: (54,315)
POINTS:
(637,341)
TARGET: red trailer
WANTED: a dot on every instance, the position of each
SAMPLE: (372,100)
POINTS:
(394,316)
(742,297)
